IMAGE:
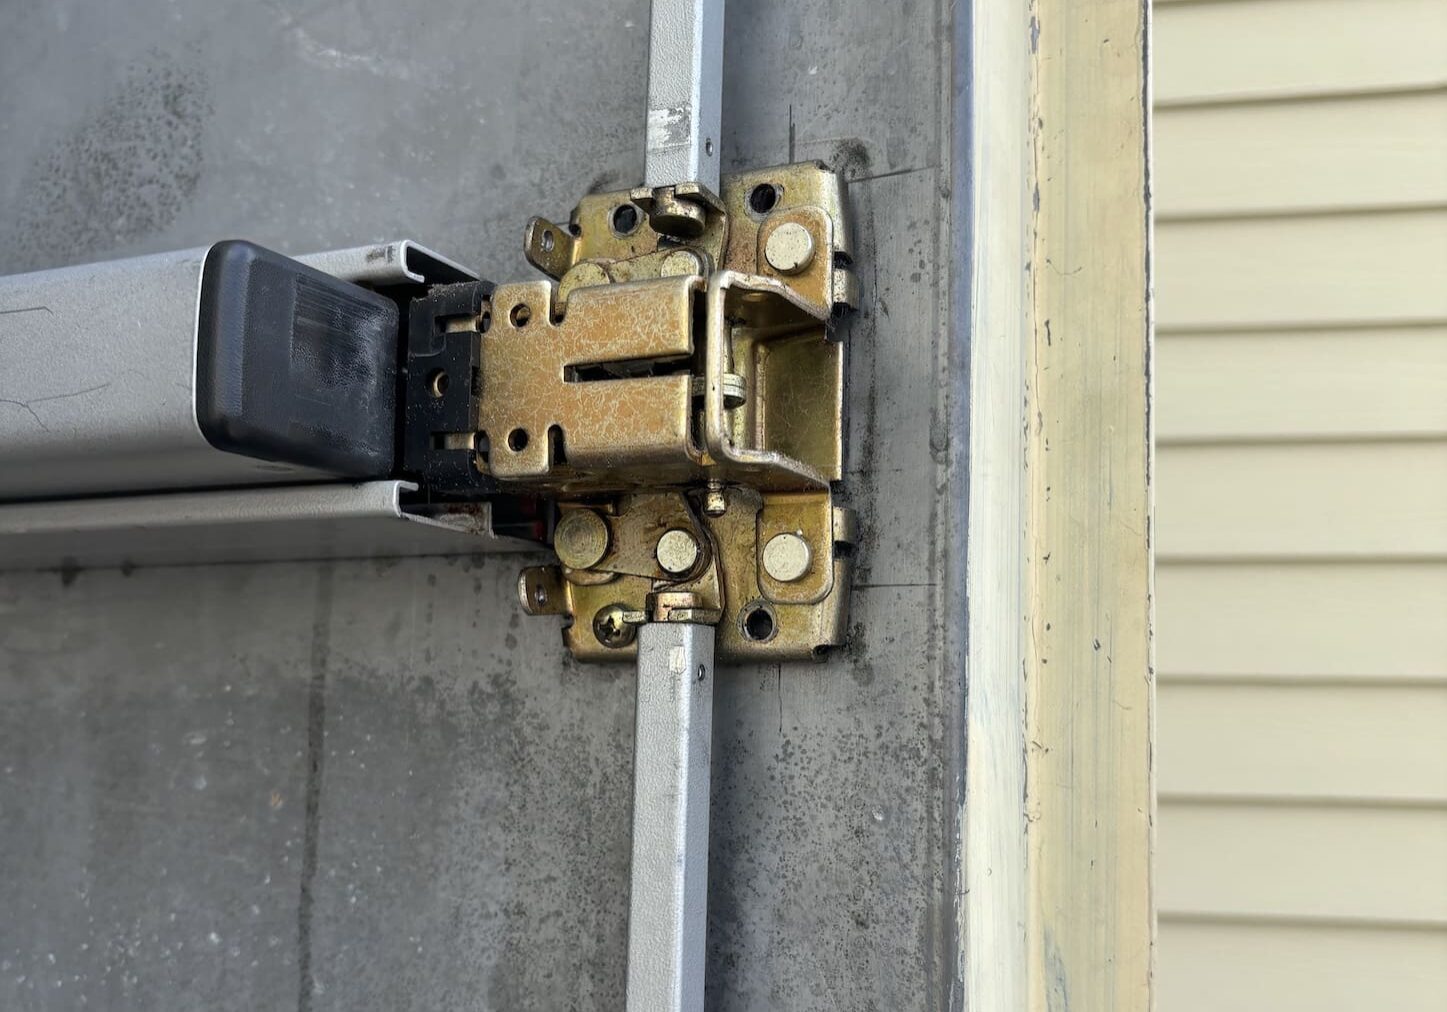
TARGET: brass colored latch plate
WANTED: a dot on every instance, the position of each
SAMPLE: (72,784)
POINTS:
(678,390)
(771,571)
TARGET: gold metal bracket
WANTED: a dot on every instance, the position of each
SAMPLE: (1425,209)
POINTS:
(678,390)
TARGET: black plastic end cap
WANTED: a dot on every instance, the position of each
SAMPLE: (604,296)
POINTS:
(294,365)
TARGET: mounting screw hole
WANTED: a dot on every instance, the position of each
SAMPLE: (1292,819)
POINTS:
(764,198)
(437,382)
(758,623)
(708,146)
(517,440)
(547,242)
(626,219)
(520,315)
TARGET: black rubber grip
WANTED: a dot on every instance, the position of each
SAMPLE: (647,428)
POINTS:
(293,365)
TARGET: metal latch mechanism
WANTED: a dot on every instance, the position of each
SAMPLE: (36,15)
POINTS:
(677,389)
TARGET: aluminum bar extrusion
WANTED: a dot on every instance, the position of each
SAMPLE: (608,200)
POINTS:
(268,524)
(98,373)
(685,92)
(668,906)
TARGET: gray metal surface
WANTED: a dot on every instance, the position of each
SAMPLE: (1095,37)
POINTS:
(685,92)
(672,744)
(412,798)
(331,521)
(389,263)
(97,372)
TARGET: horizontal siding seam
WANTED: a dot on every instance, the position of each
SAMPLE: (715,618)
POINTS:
(1196,679)
(1294,563)
(1349,442)
(1231,215)
(1202,3)
(1368,803)
(1437,329)
(1327,922)
(1302,329)
(1290,440)
(1248,99)
(1431,556)
(1326,325)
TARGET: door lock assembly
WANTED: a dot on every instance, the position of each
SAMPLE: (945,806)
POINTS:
(678,391)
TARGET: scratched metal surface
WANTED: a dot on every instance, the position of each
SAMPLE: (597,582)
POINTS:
(374,785)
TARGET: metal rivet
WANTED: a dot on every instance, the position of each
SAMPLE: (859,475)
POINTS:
(587,274)
(680,261)
(715,501)
(787,557)
(581,539)
(790,248)
(677,552)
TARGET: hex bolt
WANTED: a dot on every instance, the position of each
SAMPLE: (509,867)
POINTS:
(581,539)
(787,557)
(677,551)
(790,248)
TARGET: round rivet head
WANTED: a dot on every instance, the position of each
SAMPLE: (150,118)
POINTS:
(790,248)
(680,261)
(586,275)
(677,552)
(581,539)
(787,557)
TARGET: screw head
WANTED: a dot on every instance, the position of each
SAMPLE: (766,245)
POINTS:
(581,539)
(612,628)
(677,551)
(787,557)
(789,248)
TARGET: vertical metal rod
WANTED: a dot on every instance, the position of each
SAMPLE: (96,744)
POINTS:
(673,726)
(685,92)
(668,906)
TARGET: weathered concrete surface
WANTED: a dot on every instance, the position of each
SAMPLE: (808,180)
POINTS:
(364,785)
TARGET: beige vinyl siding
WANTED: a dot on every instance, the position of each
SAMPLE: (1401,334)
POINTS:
(1360,864)
(1240,50)
(1278,386)
(1327,270)
(1300,621)
(1278,157)
(1367,744)
(1374,500)
(1301,279)
(1262,965)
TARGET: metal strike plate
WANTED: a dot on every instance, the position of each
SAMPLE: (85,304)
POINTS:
(679,391)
